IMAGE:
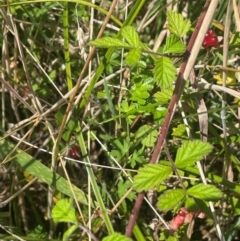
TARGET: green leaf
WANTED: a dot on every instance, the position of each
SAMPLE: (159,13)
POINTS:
(130,34)
(179,131)
(191,205)
(170,199)
(133,57)
(108,42)
(176,24)
(116,237)
(164,72)
(147,134)
(123,188)
(150,176)
(159,115)
(205,192)
(43,173)
(121,148)
(174,45)
(191,152)
(38,232)
(140,93)
(163,96)
(236,205)
(63,211)
(137,157)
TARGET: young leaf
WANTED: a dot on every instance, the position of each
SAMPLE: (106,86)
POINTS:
(133,57)
(150,175)
(190,152)
(164,72)
(176,24)
(63,211)
(108,42)
(170,199)
(116,237)
(205,192)
(130,34)
(174,45)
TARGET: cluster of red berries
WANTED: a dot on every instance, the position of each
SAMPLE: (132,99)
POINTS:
(182,217)
(210,40)
(74,152)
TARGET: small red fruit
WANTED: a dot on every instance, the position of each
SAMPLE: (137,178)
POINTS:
(210,40)
(179,220)
(74,152)
(181,213)
(211,32)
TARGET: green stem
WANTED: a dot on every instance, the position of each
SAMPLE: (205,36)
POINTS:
(66,46)
(95,188)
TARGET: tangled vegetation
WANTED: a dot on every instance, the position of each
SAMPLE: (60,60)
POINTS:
(120,120)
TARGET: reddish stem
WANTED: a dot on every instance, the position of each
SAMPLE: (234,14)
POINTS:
(180,84)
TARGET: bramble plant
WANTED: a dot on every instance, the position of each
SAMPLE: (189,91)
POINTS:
(122,126)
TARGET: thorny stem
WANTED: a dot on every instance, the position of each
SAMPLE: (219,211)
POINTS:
(180,84)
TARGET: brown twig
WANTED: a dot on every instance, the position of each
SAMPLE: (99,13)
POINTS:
(180,83)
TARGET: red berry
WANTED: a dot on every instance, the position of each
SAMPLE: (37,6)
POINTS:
(214,41)
(179,220)
(210,39)
(74,152)
(181,213)
(211,32)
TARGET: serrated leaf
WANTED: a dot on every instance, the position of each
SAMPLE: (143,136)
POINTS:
(176,24)
(148,135)
(63,211)
(179,131)
(174,45)
(116,237)
(191,152)
(164,96)
(108,42)
(133,57)
(170,199)
(130,34)
(164,72)
(150,139)
(150,175)
(205,192)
